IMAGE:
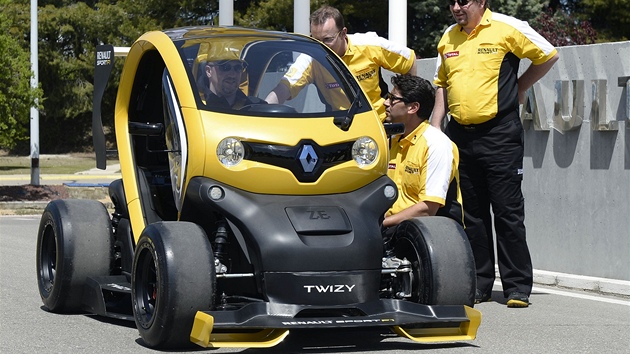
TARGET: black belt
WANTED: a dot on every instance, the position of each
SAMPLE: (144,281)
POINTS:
(485,126)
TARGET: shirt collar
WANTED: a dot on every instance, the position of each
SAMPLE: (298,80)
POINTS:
(413,137)
(349,51)
(486,20)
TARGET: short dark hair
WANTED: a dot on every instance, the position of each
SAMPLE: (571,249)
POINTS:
(321,15)
(416,89)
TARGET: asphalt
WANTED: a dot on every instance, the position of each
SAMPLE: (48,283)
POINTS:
(93,183)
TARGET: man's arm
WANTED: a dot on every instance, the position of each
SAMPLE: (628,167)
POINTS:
(440,108)
(279,94)
(531,75)
(425,208)
(414,69)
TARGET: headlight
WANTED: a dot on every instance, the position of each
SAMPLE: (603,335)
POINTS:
(230,151)
(364,151)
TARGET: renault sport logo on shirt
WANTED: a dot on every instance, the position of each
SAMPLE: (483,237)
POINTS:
(365,74)
(412,170)
(487,50)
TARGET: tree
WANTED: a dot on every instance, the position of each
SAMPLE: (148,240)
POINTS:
(561,30)
(163,14)
(16,94)
(278,14)
(611,18)
(69,31)
(427,19)
(68,34)
(430,18)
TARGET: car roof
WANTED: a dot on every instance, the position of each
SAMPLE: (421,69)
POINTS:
(191,32)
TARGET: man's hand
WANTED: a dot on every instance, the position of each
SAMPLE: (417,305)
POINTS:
(424,208)
(279,94)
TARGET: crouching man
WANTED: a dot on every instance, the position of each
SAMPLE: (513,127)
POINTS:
(423,160)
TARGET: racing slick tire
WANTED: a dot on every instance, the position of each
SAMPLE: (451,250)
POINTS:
(74,242)
(442,263)
(173,277)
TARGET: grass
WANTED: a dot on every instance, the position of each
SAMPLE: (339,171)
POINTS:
(49,164)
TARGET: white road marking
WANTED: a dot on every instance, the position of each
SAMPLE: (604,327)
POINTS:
(581,296)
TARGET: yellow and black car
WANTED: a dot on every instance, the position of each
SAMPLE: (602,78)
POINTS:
(237,220)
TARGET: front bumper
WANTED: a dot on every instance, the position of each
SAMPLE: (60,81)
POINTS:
(266,324)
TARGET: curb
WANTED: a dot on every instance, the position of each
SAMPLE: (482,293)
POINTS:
(603,286)
(96,191)
(22,208)
(61,177)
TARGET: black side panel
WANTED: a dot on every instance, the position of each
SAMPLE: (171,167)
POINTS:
(116,192)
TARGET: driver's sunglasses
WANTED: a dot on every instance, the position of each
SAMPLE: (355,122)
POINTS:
(391,97)
(461,3)
(227,67)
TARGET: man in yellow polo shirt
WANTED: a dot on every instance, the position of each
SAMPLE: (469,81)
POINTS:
(423,159)
(478,83)
(364,53)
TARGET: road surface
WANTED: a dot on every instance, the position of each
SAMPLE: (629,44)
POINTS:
(558,321)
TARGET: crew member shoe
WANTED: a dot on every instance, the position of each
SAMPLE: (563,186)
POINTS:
(481,297)
(518,299)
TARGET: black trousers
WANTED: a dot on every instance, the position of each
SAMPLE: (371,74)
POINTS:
(491,174)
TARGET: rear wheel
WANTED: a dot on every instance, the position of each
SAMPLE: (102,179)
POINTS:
(443,269)
(173,277)
(74,242)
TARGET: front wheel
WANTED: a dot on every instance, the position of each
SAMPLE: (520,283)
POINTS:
(442,263)
(173,277)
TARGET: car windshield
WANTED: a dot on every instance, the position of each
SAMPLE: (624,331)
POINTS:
(237,73)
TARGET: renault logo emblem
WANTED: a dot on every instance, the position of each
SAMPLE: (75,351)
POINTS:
(308,158)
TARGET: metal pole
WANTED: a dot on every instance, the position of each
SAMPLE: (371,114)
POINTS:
(301,14)
(398,21)
(34,110)
(226,12)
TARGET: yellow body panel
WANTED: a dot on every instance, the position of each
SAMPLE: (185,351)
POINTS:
(149,41)
(202,335)
(266,179)
(466,330)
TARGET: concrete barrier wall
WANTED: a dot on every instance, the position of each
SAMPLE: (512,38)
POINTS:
(577,161)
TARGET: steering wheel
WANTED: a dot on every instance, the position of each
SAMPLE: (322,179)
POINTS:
(268,108)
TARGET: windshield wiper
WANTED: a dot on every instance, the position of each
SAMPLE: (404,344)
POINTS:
(344,122)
